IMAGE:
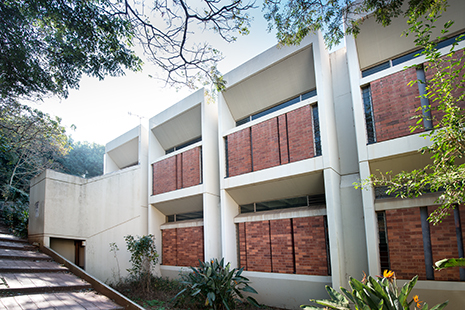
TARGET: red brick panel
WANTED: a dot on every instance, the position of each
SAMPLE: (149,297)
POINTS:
(265,145)
(258,246)
(300,134)
(164,176)
(462,222)
(190,246)
(444,245)
(405,241)
(242,246)
(310,246)
(169,250)
(394,104)
(191,167)
(239,153)
(281,246)
(283,143)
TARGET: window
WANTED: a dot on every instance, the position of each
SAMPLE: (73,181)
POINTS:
(369,118)
(305,201)
(184,216)
(183,145)
(278,107)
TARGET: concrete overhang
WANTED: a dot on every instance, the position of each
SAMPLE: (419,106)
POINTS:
(124,150)
(287,187)
(275,76)
(184,200)
(179,123)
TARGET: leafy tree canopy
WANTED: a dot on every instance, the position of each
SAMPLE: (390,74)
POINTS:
(30,141)
(294,19)
(46,45)
(84,159)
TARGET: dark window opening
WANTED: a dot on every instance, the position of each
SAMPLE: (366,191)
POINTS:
(316,130)
(369,117)
(383,242)
(305,201)
(184,216)
(183,145)
(278,107)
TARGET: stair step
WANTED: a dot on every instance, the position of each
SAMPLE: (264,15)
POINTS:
(11,238)
(22,254)
(29,283)
(64,300)
(29,266)
(16,245)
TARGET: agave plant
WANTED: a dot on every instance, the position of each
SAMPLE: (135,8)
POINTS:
(380,293)
(217,286)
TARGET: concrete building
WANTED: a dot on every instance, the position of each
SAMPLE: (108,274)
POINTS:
(264,177)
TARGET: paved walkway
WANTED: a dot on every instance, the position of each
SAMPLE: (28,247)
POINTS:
(32,280)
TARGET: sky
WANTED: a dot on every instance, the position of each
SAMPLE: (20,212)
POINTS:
(104,110)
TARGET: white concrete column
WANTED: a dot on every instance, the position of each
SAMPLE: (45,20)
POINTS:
(335,228)
(229,210)
(211,226)
(371,223)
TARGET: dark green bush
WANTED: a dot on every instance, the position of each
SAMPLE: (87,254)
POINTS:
(15,216)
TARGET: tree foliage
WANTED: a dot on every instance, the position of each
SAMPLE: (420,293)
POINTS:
(445,90)
(30,141)
(84,159)
(47,46)
(294,19)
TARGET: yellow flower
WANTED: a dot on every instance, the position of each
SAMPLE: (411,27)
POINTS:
(388,274)
(417,301)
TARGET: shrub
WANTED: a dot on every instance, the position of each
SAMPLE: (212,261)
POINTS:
(16,216)
(144,257)
(217,286)
(373,293)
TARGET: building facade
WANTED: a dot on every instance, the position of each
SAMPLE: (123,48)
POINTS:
(264,176)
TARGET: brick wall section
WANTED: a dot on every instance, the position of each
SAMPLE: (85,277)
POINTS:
(164,176)
(169,249)
(191,167)
(258,246)
(300,131)
(182,246)
(281,246)
(394,103)
(297,245)
(265,144)
(190,246)
(444,245)
(176,172)
(286,138)
(239,153)
(242,245)
(310,246)
(405,242)
(283,140)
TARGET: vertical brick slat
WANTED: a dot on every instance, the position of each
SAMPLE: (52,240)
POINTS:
(164,176)
(242,245)
(281,246)
(179,171)
(239,153)
(190,246)
(394,104)
(405,242)
(300,134)
(191,167)
(258,246)
(169,247)
(310,246)
(283,141)
(265,145)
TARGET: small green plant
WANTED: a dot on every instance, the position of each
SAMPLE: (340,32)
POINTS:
(116,274)
(379,293)
(144,257)
(16,217)
(217,286)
